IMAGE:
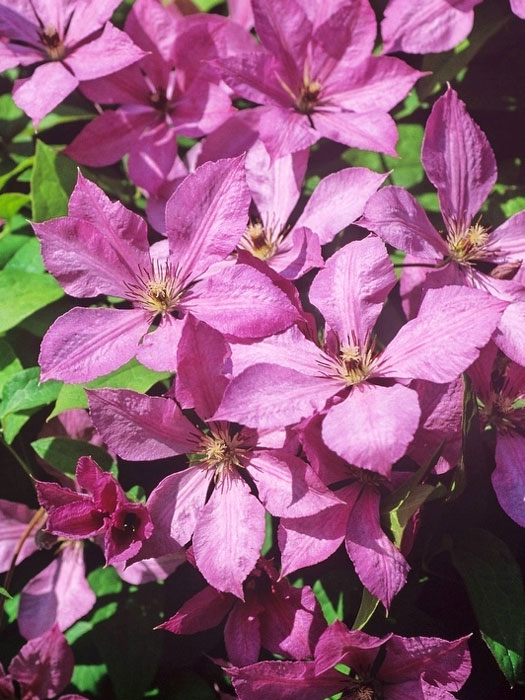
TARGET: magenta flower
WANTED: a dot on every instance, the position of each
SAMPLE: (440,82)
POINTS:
(161,97)
(459,161)
(102,248)
(336,202)
(42,668)
(431,26)
(14,521)
(101,508)
(316,77)
(390,668)
(501,389)
(72,40)
(286,378)
(356,521)
(273,615)
(228,528)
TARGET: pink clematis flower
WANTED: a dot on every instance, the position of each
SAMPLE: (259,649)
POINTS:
(356,521)
(274,615)
(501,389)
(390,668)
(370,420)
(102,248)
(459,161)
(337,201)
(228,528)
(431,26)
(101,509)
(42,668)
(316,76)
(161,97)
(71,39)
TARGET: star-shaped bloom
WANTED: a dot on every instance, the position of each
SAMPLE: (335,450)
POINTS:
(315,76)
(72,41)
(370,419)
(102,248)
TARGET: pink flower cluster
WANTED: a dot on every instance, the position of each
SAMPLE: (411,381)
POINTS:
(289,399)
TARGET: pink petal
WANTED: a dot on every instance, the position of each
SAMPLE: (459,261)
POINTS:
(203,355)
(382,421)
(228,536)
(283,130)
(59,593)
(326,464)
(207,215)
(175,505)
(445,337)
(507,243)
(108,53)
(76,520)
(378,563)
(308,541)
(510,333)
(518,7)
(352,288)
(508,479)
(253,76)
(338,200)
(88,17)
(14,519)
(242,636)
(44,665)
(36,103)
(204,610)
(86,343)
(268,396)
(299,253)
(287,486)
(158,350)
(240,301)
(338,644)
(139,427)
(275,186)
(457,158)
(431,26)
(373,130)
(286,680)
(396,216)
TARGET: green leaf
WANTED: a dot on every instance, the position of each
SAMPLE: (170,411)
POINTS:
(11,203)
(27,258)
(23,293)
(5,593)
(64,453)
(105,581)
(205,5)
(367,608)
(9,244)
(132,375)
(402,513)
(268,536)
(64,114)
(513,206)
(23,165)
(329,611)
(54,176)
(22,391)
(495,588)
(9,363)
(87,677)
(13,118)
(407,170)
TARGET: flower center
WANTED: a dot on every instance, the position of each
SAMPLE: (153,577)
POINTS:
(308,96)
(259,241)
(356,363)
(364,690)
(467,246)
(158,290)
(222,453)
(498,411)
(159,100)
(53,44)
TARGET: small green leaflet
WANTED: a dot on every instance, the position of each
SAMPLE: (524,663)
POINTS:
(23,293)
(52,181)
(64,453)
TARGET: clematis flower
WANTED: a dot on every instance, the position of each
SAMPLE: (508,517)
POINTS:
(356,521)
(274,615)
(102,248)
(459,161)
(228,528)
(369,421)
(390,668)
(431,26)
(161,97)
(101,509)
(337,201)
(71,40)
(500,385)
(316,76)
(42,668)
